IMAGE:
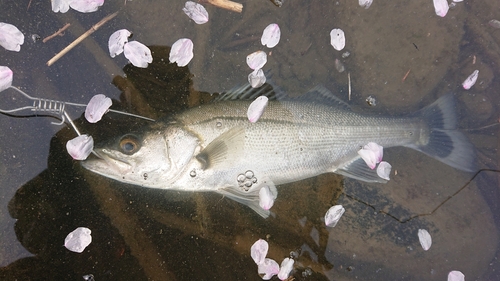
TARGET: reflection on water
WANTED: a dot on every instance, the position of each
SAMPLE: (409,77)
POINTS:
(141,234)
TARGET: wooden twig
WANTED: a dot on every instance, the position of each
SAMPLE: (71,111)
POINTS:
(406,75)
(81,38)
(56,33)
(227,4)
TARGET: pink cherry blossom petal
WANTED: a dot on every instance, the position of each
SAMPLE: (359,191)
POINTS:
(117,41)
(257,59)
(372,154)
(369,158)
(286,268)
(271,35)
(258,251)
(384,170)
(441,7)
(337,39)
(471,80)
(138,54)
(268,269)
(80,147)
(256,108)
(77,240)
(86,6)
(333,215)
(10,37)
(494,23)
(256,78)
(60,6)
(5,77)
(456,276)
(365,3)
(266,198)
(425,239)
(196,12)
(181,52)
(97,107)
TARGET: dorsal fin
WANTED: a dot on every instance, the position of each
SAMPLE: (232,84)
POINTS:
(320,94)
(246,92)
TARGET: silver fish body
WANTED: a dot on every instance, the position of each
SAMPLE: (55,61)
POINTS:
(214,147)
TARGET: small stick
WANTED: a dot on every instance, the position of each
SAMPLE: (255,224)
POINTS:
(56,33)
(349,79)
(227,4)
(81,38)
(406,75)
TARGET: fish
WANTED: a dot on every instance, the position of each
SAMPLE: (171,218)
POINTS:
(214,147)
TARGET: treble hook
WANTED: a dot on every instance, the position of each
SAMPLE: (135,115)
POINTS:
(56,108)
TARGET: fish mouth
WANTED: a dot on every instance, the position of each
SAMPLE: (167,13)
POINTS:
(107,162)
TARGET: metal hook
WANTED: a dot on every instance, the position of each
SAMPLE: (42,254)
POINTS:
(55,108)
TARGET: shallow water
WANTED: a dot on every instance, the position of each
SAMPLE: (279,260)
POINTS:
(145,234)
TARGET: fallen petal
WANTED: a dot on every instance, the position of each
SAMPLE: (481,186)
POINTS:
(365,3)
(85,6)
(257,59)
(60,6)
(369,157)
(271,35)
(78,239)
(181,52)
(5,77)
(372,154)
(196,12)
(266,198)
(256,78)
(10,37)
(456,275)
(339,66)
(138,54)
(97,107)
(256,108)
(425,239)
(377,149)
(441,7)
(384,170)
(80,147)
(258,251)
(117,41)
(337,39)
(268,269)
(471,80)
(286,268)
(333,215)
(494,23)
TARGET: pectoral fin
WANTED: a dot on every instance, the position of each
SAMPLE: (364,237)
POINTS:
(221,151)
(357,169)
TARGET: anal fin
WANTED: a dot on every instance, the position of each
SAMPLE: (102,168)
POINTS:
(357,169)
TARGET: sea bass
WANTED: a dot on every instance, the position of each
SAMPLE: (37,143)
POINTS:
(214,147)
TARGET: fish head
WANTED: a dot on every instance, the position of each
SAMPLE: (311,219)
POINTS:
(154,159)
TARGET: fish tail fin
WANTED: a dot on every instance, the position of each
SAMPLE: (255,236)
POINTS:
(444,142)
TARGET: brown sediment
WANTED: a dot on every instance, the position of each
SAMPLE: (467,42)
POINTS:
(126,222)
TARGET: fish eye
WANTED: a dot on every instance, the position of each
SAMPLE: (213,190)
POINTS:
(129,144)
